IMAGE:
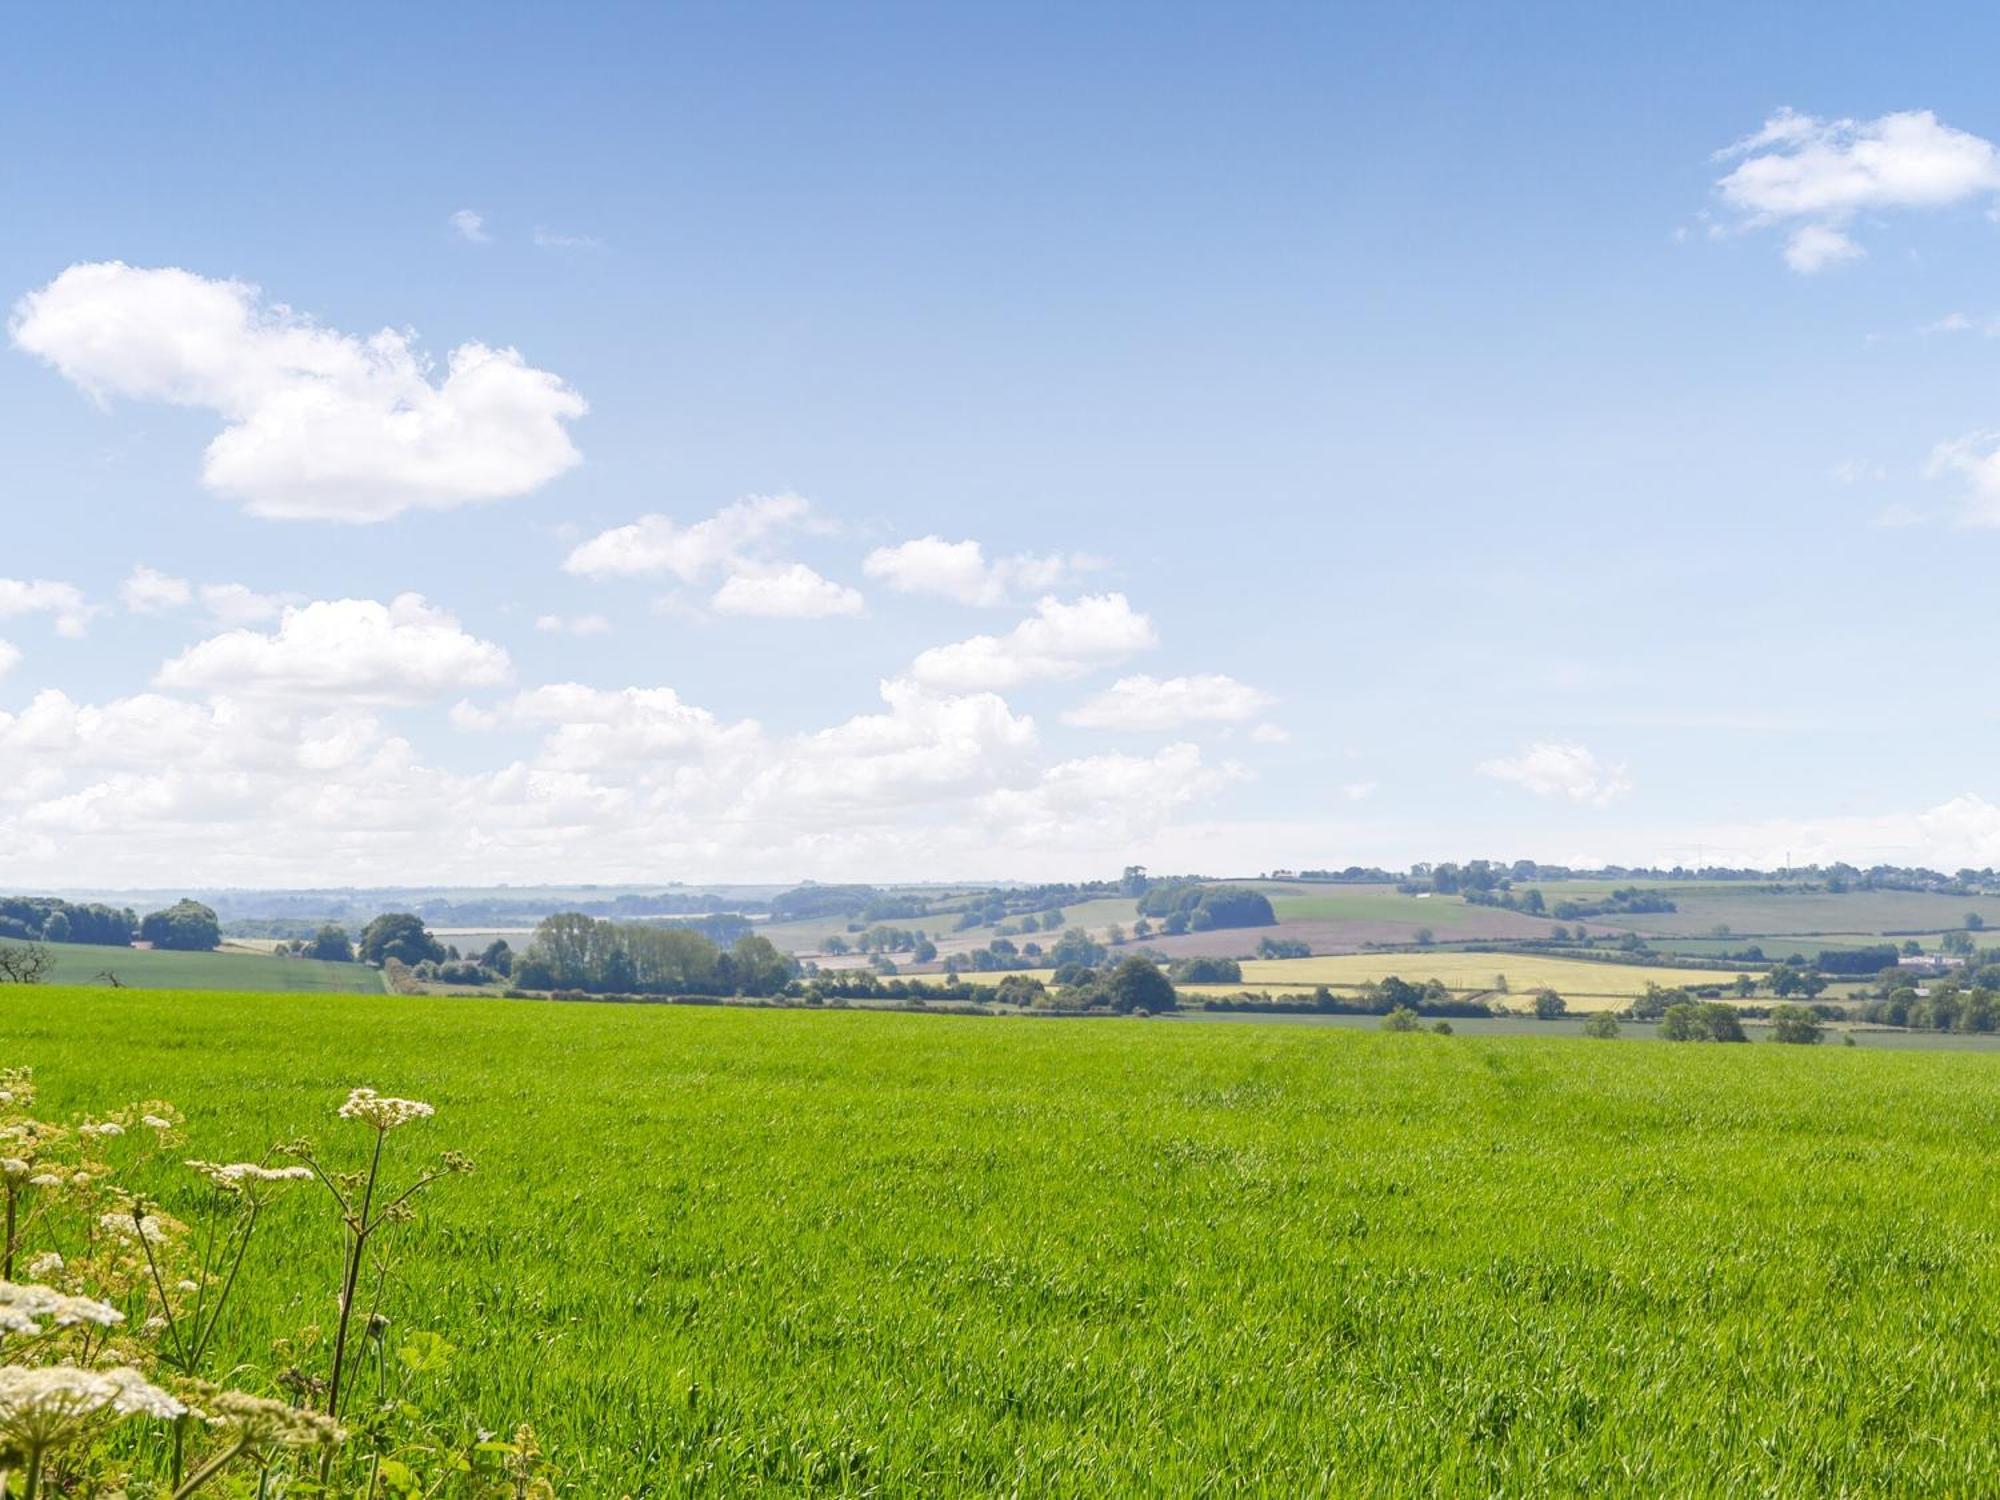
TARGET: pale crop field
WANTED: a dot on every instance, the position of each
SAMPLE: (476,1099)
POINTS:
(1524,972)
(727,1252)
(1473,971)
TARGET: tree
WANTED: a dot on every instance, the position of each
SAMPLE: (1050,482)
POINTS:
(186,926)
(1019,989)
(498,957)
(1602,1027)
(1974,922)
(925,951)
(56,929)
(1654,1003)
(1402,1018)
(1745,986)
(1424,937)
(618,973)
(1442,1028)
(1724,1024)
(1076,947)
(1115,935)
(1796,1025)
(1205,970)
(1712,1021)
(1549,1006)
(25,963)
(759,967)
(1137,984)
(401,936)
(332,944)
(1683,1023)
(834,944)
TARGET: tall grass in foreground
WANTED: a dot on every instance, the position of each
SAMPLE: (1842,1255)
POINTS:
(110,1307)
(722,1253)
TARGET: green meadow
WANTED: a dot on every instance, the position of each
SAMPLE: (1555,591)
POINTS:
(717,1251)
(223,969)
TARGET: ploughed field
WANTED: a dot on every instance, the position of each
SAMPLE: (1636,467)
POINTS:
(722,1252)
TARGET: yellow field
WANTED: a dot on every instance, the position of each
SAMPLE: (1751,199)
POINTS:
(1524,972)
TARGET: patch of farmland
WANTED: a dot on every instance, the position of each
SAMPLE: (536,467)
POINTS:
(150,969)
(1751,913)
(1475,971)
(734,1252)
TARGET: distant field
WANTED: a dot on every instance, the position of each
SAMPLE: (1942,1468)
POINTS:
(1524,972)
(1365,903)
(1465,971)
(754,1253)
(1750,912)
(144,969)
(1749,909)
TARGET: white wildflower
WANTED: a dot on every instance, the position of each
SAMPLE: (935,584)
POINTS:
(231,1176)
(24,1305)
(382,1112)
(185,1285)
(14,1168)
(45,1265)
(257,1422)
(45,1179)
(107,1128)
(156,1122)
(149,1228)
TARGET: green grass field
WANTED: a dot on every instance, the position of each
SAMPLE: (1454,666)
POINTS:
(725,1252)
(1293,902)
(145,969)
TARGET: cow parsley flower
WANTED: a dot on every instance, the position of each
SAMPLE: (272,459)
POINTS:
(382,1112)
(23,1306)
(45,1265)
(105,1128)
(49,1406)
(232,1177)
(149,1227)
(14,1168)
(17,1087)
(257,1423)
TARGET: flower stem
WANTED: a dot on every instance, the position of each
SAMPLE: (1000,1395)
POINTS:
(208,1471)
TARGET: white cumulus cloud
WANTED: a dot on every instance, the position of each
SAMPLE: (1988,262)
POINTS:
(1812,176)
(316,424)
(148,591)
(1551,768)
(352,650)
(578,625)
(1154,703)
(1060,640)
(657,545)
(62,602)
(960,570)
(471,225)
(793,592)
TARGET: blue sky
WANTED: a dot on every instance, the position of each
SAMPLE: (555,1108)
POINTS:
(1476,465)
